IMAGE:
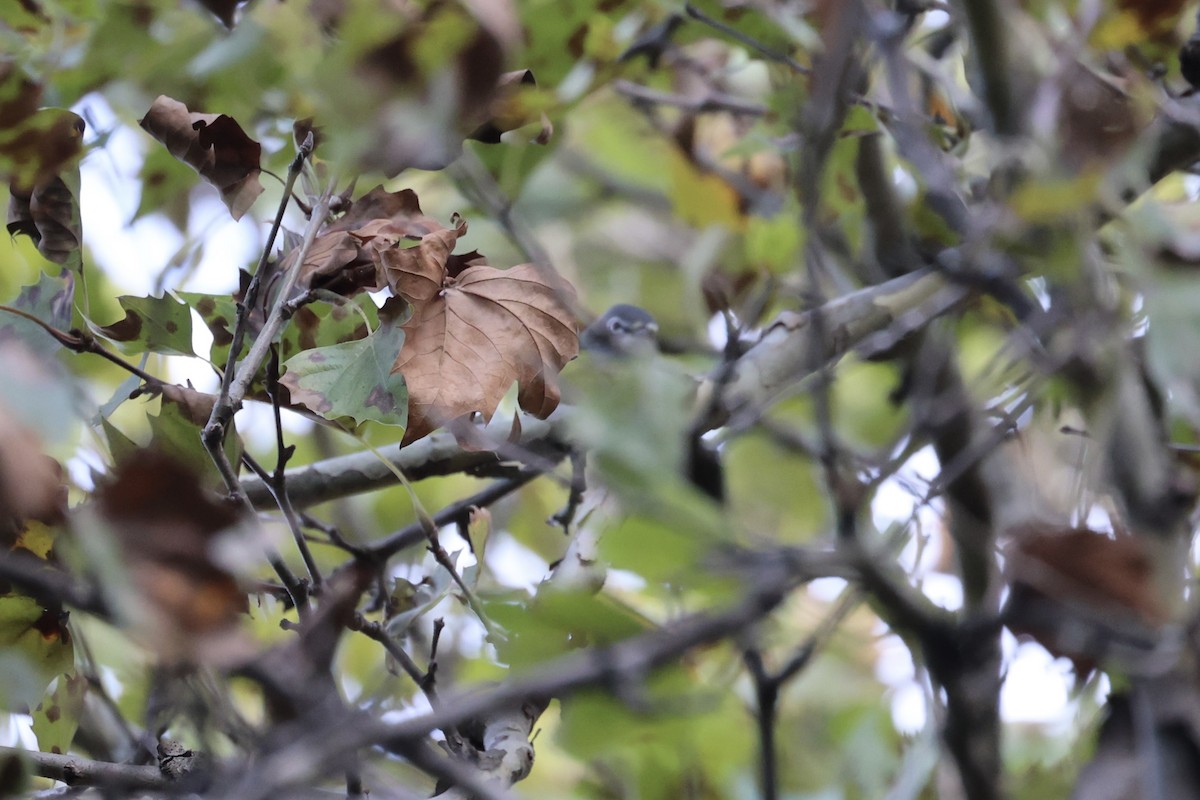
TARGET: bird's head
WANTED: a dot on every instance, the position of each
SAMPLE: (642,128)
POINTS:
(621,332)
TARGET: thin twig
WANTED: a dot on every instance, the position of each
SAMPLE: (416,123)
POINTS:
(414,533)
(79,342)
(711,102)
(733,33)
(278,481)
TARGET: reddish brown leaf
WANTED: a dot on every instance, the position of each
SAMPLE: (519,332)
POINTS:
(196,406)
(212,144)
(1081,594)
(167,526)
(472,335)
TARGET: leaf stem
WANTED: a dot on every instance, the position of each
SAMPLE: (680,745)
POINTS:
(79,342)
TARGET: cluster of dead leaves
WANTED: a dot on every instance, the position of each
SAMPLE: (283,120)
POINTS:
(187,603)
(473,331)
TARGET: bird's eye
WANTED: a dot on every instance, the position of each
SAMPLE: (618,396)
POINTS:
(617,325)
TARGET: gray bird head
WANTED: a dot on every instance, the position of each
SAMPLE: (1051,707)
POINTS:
(622,331)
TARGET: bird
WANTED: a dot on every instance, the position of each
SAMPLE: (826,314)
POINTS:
(629,332)
(624,331)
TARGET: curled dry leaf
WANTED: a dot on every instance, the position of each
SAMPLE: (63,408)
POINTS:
(212,144)
(196,406)
(345,258)
(474,332)
(167,527)
(44,183)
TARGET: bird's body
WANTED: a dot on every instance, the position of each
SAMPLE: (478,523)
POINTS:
(626,332)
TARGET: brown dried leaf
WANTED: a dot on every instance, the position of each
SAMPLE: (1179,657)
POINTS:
(1084,594)
(42,146)
(212,144)
(40,159)
(166,526)
(48,214)
(471,336)
(344,258)
(1090,567)
(196,406)
(31,482)
(425,100)
(1097,119)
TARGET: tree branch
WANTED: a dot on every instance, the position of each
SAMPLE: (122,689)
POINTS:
(76,771)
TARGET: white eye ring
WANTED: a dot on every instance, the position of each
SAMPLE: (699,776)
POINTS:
(615,325)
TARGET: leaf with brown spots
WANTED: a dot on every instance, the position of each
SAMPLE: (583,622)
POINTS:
(151,324)
(354,379)
(34,632)
(56,719)
(474,333)
(314,325)
(168,529)
(212,144)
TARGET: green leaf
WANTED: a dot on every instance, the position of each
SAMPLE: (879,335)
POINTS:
(39,639)
(152,324)
(314,325)
(50,301)
(354,379)
(177,436)
(56,718)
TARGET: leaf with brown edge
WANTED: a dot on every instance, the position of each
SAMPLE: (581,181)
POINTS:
(212,144)
(354,379)
(481,332)
(167,528)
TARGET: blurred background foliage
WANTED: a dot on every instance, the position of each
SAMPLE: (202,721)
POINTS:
(683,210)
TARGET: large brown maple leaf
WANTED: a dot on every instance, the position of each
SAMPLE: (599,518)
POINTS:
(475,330)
